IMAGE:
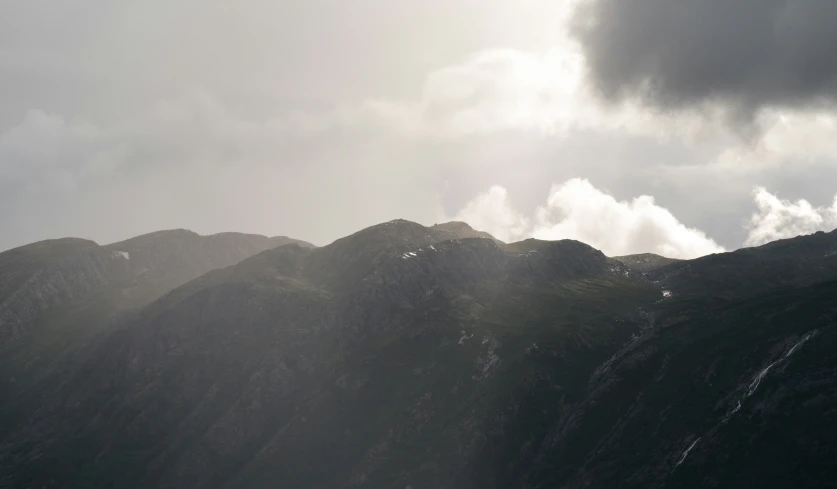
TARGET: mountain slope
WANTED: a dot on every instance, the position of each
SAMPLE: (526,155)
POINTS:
(161,261)
(40,276)
(44,275)
(402,357)
(56,295)
(214,383)
(645,262)
(747,272)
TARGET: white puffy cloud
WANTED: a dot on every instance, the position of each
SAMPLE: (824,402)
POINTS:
(492,212)
(577,210)
(780,219)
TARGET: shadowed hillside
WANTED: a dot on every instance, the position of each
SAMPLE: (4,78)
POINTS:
(404,356)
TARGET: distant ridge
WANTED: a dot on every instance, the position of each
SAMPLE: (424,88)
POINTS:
(645,262)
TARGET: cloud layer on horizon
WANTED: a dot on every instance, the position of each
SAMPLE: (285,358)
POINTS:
(577,210)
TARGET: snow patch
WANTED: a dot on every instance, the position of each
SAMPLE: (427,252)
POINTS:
(123,254)
(666,293)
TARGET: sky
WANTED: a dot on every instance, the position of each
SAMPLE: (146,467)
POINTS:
(679,127)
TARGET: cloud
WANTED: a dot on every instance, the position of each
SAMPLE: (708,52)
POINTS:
(511,90)
(190,161)
(307,141)
(492,212)
(745,54)
(194,127)
(45,151)
(780,219)
(104,57)
(577,210)
(505,89)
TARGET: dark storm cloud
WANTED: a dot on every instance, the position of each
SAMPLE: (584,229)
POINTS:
(747,54)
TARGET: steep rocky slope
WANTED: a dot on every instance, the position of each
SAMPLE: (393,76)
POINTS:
(403,357)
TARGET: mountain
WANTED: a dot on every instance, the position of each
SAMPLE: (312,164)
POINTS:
(794,262)
(435,357)
(159,262)
(645,262)
(458,229)
(55,295)
(48,274)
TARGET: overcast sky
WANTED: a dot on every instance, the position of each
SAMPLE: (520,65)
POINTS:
(678,127)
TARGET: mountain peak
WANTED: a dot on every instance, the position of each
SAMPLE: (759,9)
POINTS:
(167,234)
(462,229)
(532,244)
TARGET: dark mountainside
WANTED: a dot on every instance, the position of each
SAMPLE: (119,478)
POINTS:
(39,277)
(56,295)
(437,357)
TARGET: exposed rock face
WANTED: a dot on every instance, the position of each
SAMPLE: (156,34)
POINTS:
(403,357)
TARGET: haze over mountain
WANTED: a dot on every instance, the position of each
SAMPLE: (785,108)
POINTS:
(56,295)
(547,244)
(422,357)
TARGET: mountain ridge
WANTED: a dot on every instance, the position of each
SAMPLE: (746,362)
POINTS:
(58,295)
(401,356)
